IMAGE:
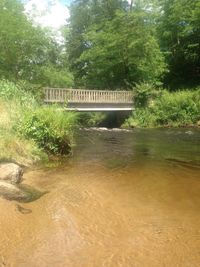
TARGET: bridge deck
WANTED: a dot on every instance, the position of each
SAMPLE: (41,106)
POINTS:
(90,100)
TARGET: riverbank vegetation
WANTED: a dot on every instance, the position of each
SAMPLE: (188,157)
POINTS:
(29,131)
(161,108)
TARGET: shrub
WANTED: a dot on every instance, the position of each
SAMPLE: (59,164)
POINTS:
(141,117)
(28,129)
(168,109)
(10,91)
(14,147)
(50,127)
(91,119)
(33,90)
(143,94)
(179,108)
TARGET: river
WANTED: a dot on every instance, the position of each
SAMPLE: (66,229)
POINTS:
(122,199)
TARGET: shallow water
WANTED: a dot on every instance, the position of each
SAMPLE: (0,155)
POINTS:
(122,199)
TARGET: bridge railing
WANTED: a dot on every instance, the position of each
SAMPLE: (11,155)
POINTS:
(60,95)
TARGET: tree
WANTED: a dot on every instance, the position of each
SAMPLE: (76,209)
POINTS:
(84,14)
(27,52)
(21,45)
(118,48)
(180,38)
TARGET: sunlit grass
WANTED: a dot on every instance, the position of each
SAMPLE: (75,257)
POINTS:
(27,130)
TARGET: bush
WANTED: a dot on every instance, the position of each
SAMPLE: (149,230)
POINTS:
(91,119)
(141,117)
(51,128)
(143,94)
(168,109)
(179,108)
(28,129)
(33,90)
(10,91)
(14,147)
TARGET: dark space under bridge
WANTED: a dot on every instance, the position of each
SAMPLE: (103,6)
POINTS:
(90,100)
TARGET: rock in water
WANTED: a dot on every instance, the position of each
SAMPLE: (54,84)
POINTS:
(11,172)
(20,193)
(11,192)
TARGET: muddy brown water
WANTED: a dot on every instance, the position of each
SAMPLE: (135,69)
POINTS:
(122,199)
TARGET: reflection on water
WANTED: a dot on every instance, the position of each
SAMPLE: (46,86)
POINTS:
(123,199)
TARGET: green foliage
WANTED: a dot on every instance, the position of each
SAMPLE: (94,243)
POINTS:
(144,93)
(22,46)
(141,117)
(123,52)
(170,109)
(56,77)
(51,128)
(28,130)
(14,92)
(15,147)
(28,52)
(114,44)
(91,119)
(32,90)
(109,44)
(114,49)
(84,14)
(180,108)
(179,33)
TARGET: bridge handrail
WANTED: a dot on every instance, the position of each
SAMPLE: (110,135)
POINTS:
(61,95)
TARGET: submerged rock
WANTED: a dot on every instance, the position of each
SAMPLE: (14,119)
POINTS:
(11,192)
(11,172)
(21,193)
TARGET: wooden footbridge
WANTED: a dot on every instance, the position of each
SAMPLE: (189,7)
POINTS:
(90,100)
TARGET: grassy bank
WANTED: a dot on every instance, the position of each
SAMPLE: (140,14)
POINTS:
(29,131)
(164,109)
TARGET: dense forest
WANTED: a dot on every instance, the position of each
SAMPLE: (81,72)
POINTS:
(108,44)
(118,44)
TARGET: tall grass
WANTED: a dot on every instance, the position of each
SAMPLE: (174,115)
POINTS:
(15,147)
(28,130)
(50,127)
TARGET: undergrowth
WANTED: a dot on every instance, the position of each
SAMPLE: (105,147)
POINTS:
(177,109)
(30,131)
